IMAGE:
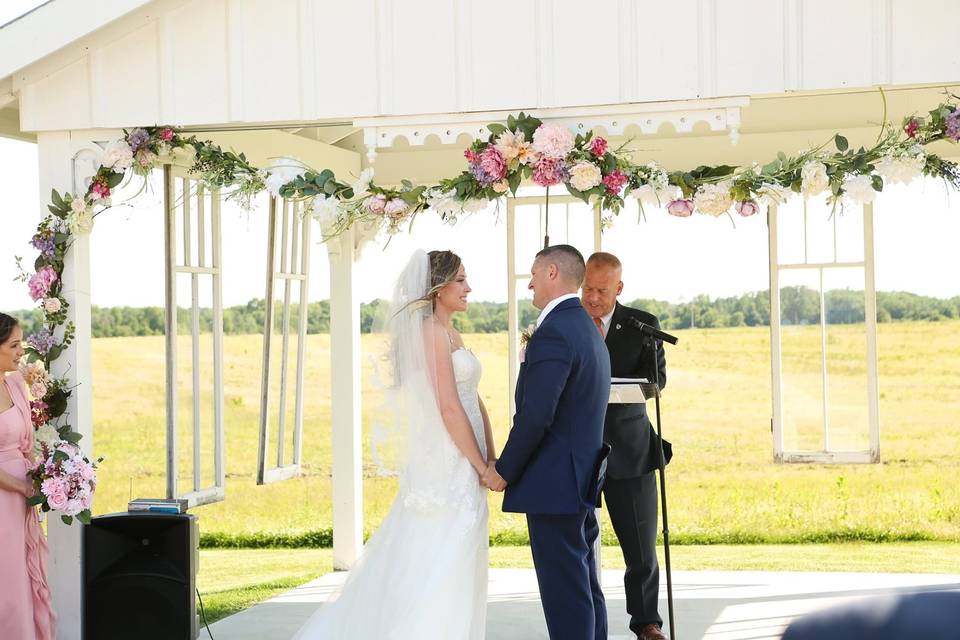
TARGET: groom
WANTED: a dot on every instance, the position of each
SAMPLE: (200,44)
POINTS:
(551,464)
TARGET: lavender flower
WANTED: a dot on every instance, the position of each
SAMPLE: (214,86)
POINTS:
(42,341)
(44,244)
(953,125)
(138,139)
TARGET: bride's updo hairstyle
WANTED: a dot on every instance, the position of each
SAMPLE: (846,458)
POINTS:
(444,266)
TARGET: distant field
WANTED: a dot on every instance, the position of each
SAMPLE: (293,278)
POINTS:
(723,486)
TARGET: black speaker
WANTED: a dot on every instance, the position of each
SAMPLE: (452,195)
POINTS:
(139,577)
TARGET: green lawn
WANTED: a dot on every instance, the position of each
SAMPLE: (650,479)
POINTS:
(723,485)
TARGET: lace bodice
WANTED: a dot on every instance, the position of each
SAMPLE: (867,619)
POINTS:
(467,371)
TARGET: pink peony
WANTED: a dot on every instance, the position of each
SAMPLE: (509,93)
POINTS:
(681,207)
(615,181)
(747,208)
(493,164)
(41,281)
(553,141)
(550,171)
(375,204)
(38,389)
(598,147)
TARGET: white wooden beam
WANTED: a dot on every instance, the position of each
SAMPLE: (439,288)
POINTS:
(346,407)
(55,153)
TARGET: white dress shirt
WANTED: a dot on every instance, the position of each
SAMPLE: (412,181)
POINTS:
(552,305)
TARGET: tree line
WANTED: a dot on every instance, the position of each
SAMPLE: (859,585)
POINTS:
(798,305)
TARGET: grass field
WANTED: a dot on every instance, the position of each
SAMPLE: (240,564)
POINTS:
(723,486)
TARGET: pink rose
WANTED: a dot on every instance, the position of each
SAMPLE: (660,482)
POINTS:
(167,134)
(615,181)
(395,208)
(38,389)
(57,500)
(376,204)
(598,147)
(681,207)
(747,208)
(52,305)
(86,472)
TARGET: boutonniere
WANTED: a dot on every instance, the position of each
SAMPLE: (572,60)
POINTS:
(525,337)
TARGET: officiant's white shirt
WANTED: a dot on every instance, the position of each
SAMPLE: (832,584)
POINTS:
(552,304)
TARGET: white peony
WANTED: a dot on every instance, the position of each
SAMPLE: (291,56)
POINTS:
(770,194)
(117,156)
(325,210)
(713,199)
(80,223)
(901,170)
(585,176)
(362,185)
(282,171)
(859,189)
(814,178)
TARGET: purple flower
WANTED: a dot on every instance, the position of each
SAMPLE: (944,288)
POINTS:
(41,341)
(137,139)
(953,125)
(44,244)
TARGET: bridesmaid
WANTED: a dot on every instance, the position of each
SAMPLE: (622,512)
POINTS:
(25,612)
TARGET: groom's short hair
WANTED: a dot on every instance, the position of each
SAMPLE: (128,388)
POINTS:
(568,260)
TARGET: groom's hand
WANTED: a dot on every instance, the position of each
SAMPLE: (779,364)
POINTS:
(492,480)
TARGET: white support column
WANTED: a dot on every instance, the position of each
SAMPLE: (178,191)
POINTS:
(345,410)
(55,152)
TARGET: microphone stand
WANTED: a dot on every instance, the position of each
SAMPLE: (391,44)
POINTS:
(652,335)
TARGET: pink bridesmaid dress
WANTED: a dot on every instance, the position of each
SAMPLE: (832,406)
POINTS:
(25,611)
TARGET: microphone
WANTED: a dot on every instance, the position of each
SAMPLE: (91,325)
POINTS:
(647,330)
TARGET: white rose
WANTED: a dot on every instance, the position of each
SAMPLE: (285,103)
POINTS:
(814,178)
(443,202)
(859,189)
(651,194)
(52,305)
(585,176)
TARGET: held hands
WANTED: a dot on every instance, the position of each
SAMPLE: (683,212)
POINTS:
(491,479)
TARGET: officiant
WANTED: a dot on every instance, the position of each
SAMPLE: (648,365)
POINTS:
(630,491)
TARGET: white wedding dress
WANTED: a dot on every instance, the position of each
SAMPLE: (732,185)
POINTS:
(423,574)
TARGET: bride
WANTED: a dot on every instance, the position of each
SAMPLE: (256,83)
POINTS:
(423,574)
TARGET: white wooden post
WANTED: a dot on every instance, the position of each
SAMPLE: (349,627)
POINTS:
(345,410)
(55,152)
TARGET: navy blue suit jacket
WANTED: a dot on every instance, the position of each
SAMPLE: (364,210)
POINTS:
(553,458)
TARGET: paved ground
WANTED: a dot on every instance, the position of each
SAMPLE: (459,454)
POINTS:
(712,605)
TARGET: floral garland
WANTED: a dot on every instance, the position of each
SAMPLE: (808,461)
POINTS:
(522,148)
